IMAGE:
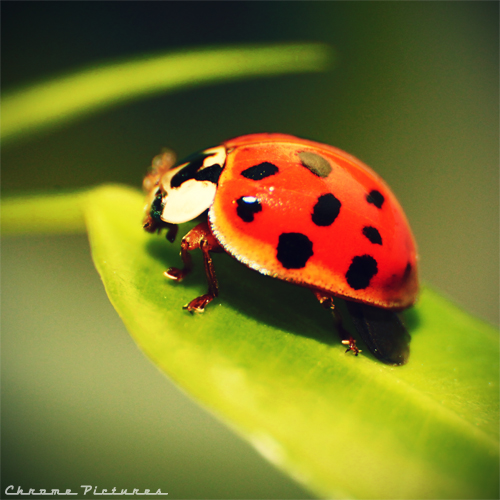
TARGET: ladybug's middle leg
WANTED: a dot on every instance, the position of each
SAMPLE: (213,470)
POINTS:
(199,237)
(346,338)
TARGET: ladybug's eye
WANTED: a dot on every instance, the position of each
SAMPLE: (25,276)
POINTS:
(157,207)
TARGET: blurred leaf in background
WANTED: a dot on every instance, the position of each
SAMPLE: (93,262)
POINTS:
(56,102)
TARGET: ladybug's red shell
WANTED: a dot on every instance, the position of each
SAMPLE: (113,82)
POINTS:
(314,215)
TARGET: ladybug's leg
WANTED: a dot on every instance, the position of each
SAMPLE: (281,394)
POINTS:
(327,302)
(186,246)
(171,231)
(151,226)
(199,237)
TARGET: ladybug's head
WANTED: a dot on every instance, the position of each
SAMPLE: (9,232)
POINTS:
(180,192)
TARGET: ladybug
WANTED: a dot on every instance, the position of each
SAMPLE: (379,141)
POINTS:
(300,211)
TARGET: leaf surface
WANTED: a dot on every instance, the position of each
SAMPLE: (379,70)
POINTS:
(265,359)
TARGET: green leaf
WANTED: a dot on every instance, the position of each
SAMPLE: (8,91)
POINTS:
(68,97)
(264,357)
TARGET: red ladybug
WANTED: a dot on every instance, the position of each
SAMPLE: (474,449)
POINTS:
(299,211)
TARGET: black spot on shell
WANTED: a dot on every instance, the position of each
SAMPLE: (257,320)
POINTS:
(247,207)
(326,210)
(362,269)
(373,235)
(375,198)
(315,163)
(294,250)
(260,171)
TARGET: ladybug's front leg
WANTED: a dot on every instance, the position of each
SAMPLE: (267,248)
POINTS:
(346,338)
(199,237)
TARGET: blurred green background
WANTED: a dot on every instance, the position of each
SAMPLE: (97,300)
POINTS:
(414,94)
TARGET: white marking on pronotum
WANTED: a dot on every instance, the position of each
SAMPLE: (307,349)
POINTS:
(218,157)
(192,197)
(188,201)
